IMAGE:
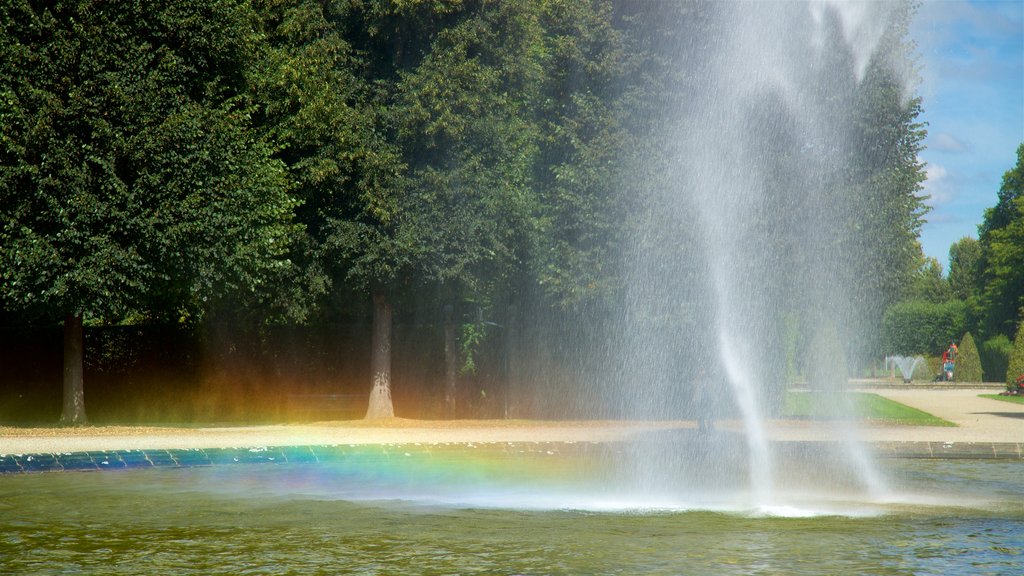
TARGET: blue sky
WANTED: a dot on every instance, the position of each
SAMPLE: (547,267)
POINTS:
(972,85)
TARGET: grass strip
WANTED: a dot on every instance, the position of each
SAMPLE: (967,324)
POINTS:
(1011,399)
(864,405)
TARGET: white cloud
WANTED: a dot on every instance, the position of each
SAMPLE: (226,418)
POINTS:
(937,186)
(946,142)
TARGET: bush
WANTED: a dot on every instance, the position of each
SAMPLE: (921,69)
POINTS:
(995,356)
(968,362)
(916,327)
(1015,368)
(927,371)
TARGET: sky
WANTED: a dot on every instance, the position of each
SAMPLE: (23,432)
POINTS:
(972,89)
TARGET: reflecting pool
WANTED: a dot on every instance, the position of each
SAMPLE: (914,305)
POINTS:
(494,509)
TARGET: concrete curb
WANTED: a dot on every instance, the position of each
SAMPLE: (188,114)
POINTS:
(194,457)
(951,450)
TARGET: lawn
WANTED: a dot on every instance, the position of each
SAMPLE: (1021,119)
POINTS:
(1013,399)
(866,406)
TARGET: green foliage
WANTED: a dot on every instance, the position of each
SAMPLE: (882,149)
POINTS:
(473,336)
(968,361)
(315,103)
(1001,236)
(131,181)
(916,327)
(926,371)
(186,159)
(465,131)
(1015,368)
(964,273)
(928,283)
(995,357)
(884,179)
(583,146)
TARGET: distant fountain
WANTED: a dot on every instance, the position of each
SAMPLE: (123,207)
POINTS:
(906,364)
(743,244)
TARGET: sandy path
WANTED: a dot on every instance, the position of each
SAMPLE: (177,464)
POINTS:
(396,431)
(977,419)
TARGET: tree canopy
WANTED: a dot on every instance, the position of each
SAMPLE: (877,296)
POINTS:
(131,181)
(1001,236)
(181,161)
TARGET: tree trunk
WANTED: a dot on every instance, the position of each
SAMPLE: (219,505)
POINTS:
(73,412)
(380,360)
(450,363)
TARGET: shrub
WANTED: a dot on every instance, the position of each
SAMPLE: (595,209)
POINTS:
(968,362)
(1016,366)
(1015,388)
(995,356)
(917,327)
(927,371)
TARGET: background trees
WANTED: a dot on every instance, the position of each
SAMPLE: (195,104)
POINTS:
(1001,236)
(983,293)
(306,161)
(131,183)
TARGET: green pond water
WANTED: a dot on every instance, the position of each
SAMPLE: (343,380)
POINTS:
(496,510)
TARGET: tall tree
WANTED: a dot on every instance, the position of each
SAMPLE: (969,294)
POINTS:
(405,128)
(320,101)
(886,174)
(583,153)
(130,180)
(1001,235)
(928,283)
(1015,367)
(964,260)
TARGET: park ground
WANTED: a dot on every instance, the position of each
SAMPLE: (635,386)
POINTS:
(977,420)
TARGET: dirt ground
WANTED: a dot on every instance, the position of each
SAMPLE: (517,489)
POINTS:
(977,419)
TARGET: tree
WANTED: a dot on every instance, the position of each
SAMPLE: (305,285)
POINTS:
(880,183)
(995,356)
(964,277)
(319,101)
(131,183)
(1015,369)
(584,147)
(1001,235)
(968,361)
(915,327)
(928,283)
(422,175)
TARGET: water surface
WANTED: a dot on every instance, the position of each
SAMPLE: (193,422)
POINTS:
(493,510)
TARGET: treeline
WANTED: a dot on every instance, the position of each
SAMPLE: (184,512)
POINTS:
(981,300)
(464,163)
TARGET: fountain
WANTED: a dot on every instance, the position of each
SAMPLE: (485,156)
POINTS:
(738,265)
(747,237)
(906,364)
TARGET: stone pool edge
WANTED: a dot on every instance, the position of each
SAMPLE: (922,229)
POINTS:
(311,454)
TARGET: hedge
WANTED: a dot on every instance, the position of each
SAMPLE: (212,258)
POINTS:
(917,327)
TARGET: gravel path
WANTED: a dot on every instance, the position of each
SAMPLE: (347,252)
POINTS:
(977,419)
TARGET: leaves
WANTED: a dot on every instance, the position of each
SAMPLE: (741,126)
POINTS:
(1001,236)
(132,182)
